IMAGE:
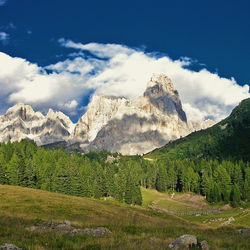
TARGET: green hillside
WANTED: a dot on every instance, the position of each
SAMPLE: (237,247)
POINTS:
(228,139)
(22,210)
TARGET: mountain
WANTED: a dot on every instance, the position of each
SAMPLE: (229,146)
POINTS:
(110,123)
(134,127)
(228,139)
(21,122)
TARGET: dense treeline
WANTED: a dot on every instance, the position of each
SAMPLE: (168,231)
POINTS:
(91,175)
(219,181)
(27,165)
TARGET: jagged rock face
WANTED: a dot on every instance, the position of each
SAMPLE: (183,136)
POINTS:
(161,93)
(20,122)
(120,125)
(100,111)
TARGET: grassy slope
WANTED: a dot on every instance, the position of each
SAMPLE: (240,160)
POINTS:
(132,227)
(229,139)
(189,202)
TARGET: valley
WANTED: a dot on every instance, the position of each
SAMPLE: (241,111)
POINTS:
(124,125)
(98,198)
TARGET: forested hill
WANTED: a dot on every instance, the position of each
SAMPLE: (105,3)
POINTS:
(228,139)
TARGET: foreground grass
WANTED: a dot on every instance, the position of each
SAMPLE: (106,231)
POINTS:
(132,227)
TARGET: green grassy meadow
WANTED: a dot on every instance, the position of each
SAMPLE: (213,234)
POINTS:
(133,227)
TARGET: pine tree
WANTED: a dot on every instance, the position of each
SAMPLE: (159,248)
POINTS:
(161,179)
(235,195)
(246,191)
(3,175)
(172,178)
(206,184)
(137,197)
(217,193)
(128,196)
(108,177)
(237,176)
(223,181)
(12,170)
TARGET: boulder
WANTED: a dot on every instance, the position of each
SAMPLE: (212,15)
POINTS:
(32,228)
(96,232)
(184,241)
(244,231)
(67,222)
(7,246)
(65,226)
(204,245)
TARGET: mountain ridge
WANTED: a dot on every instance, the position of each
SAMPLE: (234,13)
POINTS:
(112,123)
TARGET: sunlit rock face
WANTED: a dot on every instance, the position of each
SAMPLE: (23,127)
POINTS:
(134,127)
(21,122)
(112,123)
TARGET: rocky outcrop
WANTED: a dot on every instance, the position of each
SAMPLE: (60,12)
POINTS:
(7,246)
(100,111)
(68,229)
(244,232)
(135,127)
(188,241)
(183,242)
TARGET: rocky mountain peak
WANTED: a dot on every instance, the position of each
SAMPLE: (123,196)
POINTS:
(60,118)
(100,111)
(160,84)
(25,112)
(51,114)
(162,94)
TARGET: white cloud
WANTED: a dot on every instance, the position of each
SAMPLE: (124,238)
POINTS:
(21,81)
(4,37)
(114,70)
(71,104)
(97,49)
(73,66)
(2,2)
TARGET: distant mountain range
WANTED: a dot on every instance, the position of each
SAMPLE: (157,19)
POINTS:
(228,139)
(112,123)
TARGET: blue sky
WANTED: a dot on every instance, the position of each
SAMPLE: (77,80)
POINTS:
(214,35)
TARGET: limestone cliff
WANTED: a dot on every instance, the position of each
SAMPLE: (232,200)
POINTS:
(134,127)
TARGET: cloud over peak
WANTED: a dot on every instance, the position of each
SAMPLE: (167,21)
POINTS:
(118,70)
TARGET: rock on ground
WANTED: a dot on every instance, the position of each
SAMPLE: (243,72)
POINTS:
(231,219)
(184,241)
(244,231)
(204,245)
(66,228)
(99,231)
(7,246)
